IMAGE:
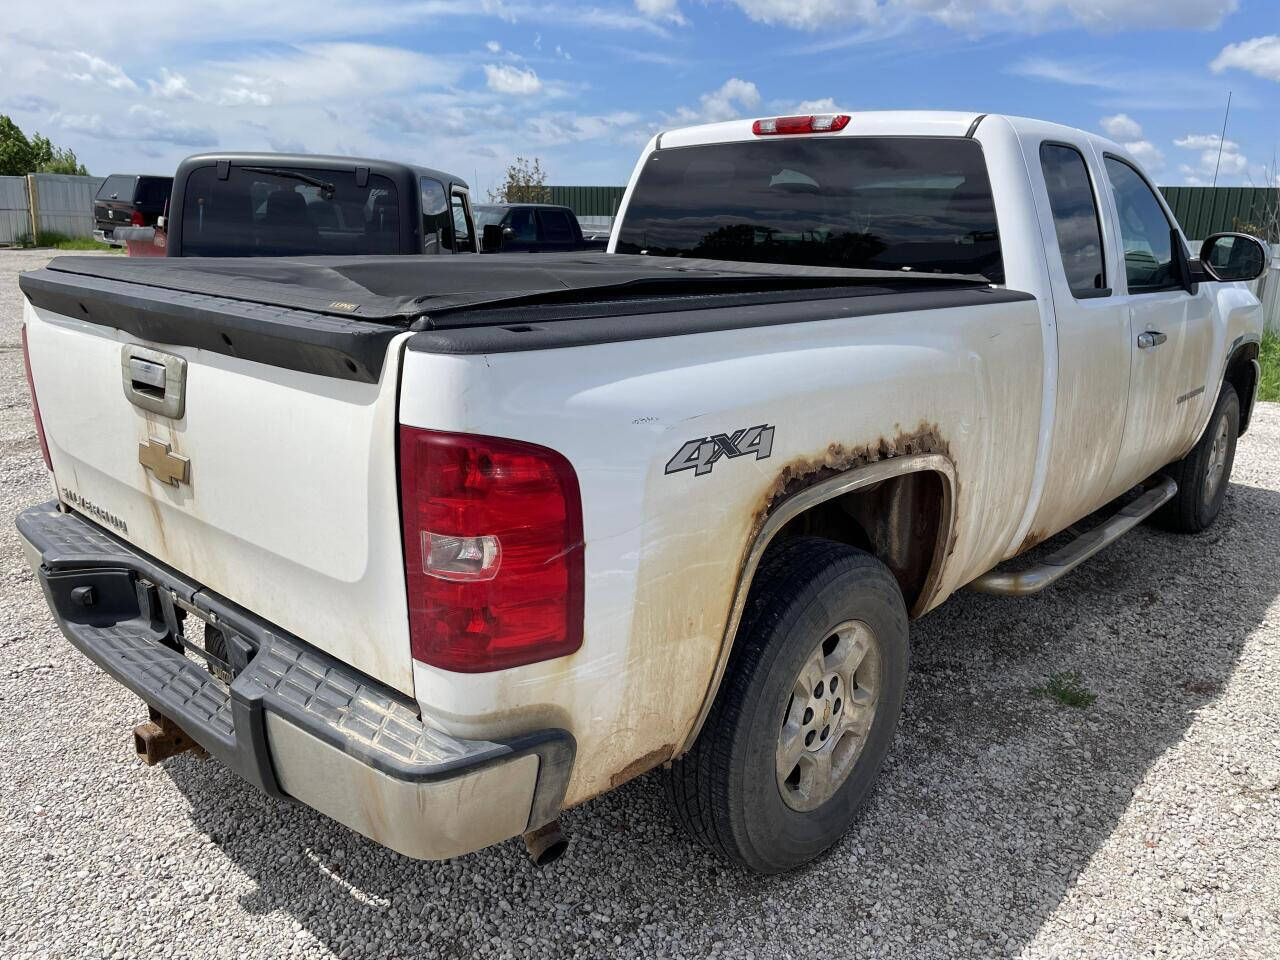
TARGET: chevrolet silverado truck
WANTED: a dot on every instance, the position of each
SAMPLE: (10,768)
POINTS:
(442,546)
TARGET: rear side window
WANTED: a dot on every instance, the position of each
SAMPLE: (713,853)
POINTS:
(437,222)
(885,203)
(117,187)
(1144,230)
(154,191)
(278,211)
(1075,218)
(555,226)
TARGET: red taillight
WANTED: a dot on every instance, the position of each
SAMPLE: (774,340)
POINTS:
(35,405)
(135,218)
(492,550)
(815,123)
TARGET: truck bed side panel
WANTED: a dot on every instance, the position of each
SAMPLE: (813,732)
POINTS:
(663,550)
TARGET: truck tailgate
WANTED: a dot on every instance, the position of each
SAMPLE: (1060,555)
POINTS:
(274,487)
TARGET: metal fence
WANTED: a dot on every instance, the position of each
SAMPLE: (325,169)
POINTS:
(589,201)
(1202,211)
(15,209)
(62,203)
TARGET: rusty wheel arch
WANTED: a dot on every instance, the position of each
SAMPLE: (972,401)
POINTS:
(785,505)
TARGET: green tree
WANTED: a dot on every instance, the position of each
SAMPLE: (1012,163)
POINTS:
(524,182)
(17,157)
(20,156)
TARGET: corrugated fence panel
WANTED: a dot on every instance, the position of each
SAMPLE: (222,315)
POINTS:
(1202,211)
(64,204)
(15,214)
(589,201)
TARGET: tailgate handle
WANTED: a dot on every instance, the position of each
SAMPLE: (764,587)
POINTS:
(154,380)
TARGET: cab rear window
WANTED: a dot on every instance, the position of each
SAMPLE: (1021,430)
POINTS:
(919,204)
(279,211)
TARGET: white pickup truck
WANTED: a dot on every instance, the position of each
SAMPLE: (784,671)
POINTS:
(441,548)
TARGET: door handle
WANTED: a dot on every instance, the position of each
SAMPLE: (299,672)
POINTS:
(1151,338)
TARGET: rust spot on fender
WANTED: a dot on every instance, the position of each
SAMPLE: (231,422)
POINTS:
(1032,538)
(804,472)
(642,765)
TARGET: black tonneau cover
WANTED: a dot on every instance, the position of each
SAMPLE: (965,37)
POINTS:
(404,288)
(336,316)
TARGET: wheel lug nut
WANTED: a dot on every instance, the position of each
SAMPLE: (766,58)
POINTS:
(808,738)
(817,691)
(835,707)
(835,682)
(808,715)
(826,732)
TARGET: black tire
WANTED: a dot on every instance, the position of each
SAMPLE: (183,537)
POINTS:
(725,791)
(1196,506)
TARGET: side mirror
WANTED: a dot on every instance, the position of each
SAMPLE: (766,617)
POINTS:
(1233,256)
(491,238)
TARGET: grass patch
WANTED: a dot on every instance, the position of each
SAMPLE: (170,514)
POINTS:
(1066,689)
(1269,359)
(52,240)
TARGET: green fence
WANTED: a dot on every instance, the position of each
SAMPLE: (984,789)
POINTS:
(1200,210)
(589,201)
(1205,210)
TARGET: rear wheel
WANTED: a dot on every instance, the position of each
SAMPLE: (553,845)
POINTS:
(806,711)
(1202,475)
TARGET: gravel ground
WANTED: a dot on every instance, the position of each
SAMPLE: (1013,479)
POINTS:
(1005,824)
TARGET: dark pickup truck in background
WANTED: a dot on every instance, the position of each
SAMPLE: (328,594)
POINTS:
(531,228)
(128,200)
(266,204)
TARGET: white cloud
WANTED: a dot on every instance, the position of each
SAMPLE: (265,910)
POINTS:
(825,105)
(171,86)
(1228,162)
(140,123)
(1128,131)
(1259,56)
(503,78)
(977,15)
(1204,141)
(1146,153)
(661,10)
(243,96)
(1121,126)
(733,98)
(493,46)
(91,69)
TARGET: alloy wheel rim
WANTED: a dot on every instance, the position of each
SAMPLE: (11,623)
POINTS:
(1217,459)
(828,715)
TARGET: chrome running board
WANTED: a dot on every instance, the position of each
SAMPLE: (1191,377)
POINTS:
(1062,561)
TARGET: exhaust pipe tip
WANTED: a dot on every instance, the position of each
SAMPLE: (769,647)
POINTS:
(546,844)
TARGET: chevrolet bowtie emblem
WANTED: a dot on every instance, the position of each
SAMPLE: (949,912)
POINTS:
(168,467)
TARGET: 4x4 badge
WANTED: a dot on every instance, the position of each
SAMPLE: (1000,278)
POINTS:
(701,455)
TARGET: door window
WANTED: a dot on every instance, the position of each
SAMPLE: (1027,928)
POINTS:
(461,227)
(555,226)
(522,225)
(1145,231)
(1075,218)
(437,223)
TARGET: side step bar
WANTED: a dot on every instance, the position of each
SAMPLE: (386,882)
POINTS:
(1066,559)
